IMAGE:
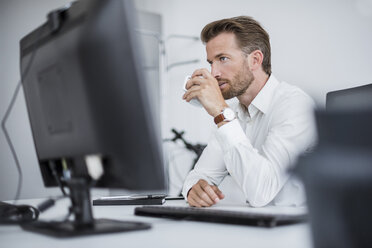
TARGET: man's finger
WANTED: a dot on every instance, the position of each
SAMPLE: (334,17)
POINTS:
(218,192)
(192,202)
(198,202)
(211,192)
(196,198)
(201,72)
(203,195)
(193,82)
(192,94)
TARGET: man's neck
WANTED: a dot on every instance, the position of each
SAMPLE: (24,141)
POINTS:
(253,90)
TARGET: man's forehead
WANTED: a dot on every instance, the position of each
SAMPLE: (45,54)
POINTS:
(222,43)
(223,39)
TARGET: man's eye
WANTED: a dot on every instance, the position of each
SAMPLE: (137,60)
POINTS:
(223,58)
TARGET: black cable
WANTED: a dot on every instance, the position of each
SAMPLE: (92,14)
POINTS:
(11,214)
(52,166)
(7,113)
(45,205)
(17,214)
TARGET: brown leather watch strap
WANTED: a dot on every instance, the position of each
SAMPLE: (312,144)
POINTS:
(219,118)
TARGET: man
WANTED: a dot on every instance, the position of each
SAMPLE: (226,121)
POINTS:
(259,138)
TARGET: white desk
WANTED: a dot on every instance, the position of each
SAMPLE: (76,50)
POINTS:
(164,232)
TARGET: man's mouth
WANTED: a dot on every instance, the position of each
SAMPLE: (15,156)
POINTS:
(222,84)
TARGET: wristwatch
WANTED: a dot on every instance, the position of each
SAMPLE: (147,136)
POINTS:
(227,114)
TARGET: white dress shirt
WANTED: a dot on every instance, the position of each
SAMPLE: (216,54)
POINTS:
(260,146)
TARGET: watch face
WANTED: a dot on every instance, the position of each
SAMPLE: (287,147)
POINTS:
(229,114)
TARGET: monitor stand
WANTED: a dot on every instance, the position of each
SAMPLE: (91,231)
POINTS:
(83,223)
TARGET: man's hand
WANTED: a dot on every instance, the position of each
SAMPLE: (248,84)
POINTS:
(204,87)
(204,195)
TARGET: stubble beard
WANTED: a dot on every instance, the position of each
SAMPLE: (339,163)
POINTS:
(239,84)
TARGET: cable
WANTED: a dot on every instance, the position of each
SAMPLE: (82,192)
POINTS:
(21,214)
(7,113)
(17,214)
(52,166)
(45,205)
(20,176)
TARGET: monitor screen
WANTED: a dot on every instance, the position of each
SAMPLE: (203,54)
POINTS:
(86,95)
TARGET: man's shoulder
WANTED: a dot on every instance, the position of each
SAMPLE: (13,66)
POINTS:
(290,95)
(289,90)
(290,101)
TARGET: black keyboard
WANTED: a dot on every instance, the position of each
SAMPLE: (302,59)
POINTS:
(220,216)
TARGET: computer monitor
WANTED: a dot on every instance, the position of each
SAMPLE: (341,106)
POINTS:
(353,99)
(89,110)
(346,121)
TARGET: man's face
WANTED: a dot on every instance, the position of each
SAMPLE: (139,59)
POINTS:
(229,65)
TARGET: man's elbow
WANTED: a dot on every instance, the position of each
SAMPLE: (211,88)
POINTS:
(262,197)
(259,202)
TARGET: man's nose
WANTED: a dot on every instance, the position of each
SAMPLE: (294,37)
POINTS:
(216,72)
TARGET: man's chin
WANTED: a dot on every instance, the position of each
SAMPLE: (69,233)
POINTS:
(227,95)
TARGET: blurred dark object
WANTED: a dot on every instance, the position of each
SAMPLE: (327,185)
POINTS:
(197,148)
(355,99)
(347,129)
(17,214)
(338,179)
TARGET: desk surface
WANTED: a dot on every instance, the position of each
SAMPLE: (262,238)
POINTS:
(164,232)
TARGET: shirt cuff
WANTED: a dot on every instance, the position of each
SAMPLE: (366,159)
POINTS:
(230,135)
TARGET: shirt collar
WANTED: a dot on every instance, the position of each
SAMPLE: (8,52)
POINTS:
(260,103)
(263,99)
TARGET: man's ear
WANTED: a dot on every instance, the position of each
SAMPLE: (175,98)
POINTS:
(255,60)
